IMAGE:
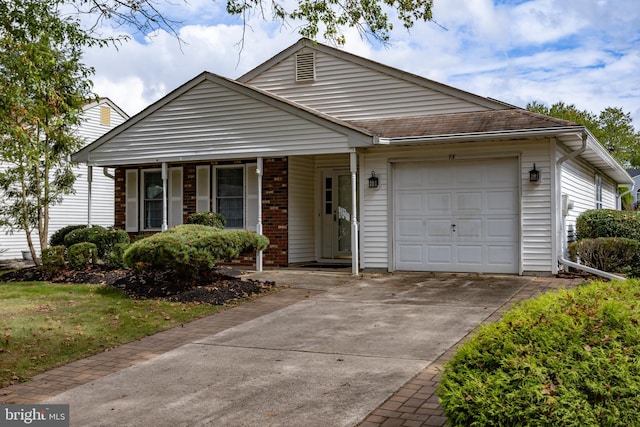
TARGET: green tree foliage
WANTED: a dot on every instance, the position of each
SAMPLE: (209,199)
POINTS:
(612,127)
(43,86)
(311,17)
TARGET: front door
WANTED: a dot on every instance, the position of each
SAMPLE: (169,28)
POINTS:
(336,216)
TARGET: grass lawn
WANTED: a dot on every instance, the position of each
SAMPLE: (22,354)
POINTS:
(44,325)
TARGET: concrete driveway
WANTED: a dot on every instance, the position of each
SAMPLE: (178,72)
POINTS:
(328,360)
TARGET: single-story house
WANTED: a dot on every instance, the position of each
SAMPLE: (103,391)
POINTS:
(98,117)
(336,158)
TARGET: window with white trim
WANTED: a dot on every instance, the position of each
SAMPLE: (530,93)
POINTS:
(152,199)
(235,190)
(598,192)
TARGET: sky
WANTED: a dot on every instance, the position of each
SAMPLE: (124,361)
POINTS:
(582,52)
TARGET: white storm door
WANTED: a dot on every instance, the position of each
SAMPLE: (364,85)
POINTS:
(336,214)
(457,216)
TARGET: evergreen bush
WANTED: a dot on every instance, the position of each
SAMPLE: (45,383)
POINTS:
(191,249)
(57,238)
(566,358)
(612,254)
(212,219)
(53,258)
(116,256)
(596,223)
(82,255)
(104,238)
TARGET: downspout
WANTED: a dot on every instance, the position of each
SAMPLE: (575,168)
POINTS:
(259,172)
(89,181)
(106,173)
(561,259)
(353,161)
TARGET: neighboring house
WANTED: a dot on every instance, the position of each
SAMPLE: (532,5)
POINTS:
(336,158)
(635,189)
(98,118)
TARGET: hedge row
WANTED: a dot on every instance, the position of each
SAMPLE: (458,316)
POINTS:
(566,358)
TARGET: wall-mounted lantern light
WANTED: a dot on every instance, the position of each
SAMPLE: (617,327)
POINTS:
(534,174)
(373,180)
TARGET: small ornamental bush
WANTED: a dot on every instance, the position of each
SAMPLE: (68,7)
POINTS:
(608,223)
(82,255)
(53,258)
(566,358)
(104,238)
(191,249)
(57,238)
(612,254)
(116,256)
(212,219)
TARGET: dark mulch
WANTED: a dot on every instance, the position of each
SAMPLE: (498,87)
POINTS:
(221,286)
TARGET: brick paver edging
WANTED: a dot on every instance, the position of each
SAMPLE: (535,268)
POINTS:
(58,380)
(416,404)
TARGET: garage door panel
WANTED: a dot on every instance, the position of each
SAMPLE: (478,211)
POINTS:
(438,203)
(411,229)
(438,228)
(481,198)
(411,255)
(469,229)
(410,202)
(439,254)
(468,201)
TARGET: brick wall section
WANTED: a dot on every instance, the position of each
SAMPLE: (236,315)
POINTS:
(275,205)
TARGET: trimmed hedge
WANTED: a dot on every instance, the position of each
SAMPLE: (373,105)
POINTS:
(566,358)
(82,255)
(596,223)
(104,238)
(53,258)
(57,238)
(212,219)
(116,256)
(191,249)
(612,254)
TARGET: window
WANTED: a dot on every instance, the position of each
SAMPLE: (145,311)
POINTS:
(229,188)
(598,192)
(152,202)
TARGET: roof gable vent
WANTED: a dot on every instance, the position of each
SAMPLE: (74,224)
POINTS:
(306,67)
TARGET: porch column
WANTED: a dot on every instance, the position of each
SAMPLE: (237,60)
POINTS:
(353,160)
(89,180)
(165,176)
(259,172)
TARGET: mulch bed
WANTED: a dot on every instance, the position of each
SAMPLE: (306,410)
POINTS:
(221,286)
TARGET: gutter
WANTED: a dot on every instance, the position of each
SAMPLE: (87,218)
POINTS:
(590,269)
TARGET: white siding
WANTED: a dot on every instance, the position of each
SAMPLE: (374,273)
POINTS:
(348,90)
(536,253)
(212,121)
(74,207)
(301,209)
(578,182)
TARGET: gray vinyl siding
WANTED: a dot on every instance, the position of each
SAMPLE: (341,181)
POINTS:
(535,208)
(301,209)
(74,207)
(348,91)
(212,121)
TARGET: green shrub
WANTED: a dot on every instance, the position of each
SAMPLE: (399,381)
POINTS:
(567,358)
(57,238)
(53,258)
(191,250)
(212,219)
(104,238)
(82,255)
(612,254)
(116,256)
(608,223)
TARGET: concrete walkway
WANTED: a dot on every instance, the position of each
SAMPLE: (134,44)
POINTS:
(330,350)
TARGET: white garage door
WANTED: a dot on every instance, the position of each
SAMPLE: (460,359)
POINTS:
(457,216)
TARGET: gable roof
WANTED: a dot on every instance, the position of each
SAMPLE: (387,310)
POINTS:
(357,137)
(377,66)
